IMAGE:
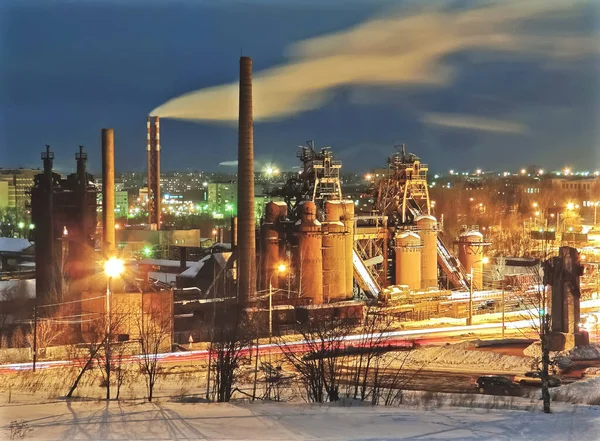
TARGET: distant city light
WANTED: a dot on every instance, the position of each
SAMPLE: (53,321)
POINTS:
(540,171)
(523,171)
(451,172)
(205,184)
(567,171)
(368,176)
(478,171)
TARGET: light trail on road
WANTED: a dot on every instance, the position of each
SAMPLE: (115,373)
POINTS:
(406,336)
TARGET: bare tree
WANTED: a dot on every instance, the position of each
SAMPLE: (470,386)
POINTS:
(370,348)
(154,328)
(320,364)
(14,307)
(534,297)
(101,333)
(231,342)
(47,332)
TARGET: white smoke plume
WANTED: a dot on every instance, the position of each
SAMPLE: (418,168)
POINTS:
(471,122)
(403,47)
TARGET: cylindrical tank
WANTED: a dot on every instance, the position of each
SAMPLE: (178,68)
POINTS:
(348,220)
(334,264)
(334,253)
(309,258)
(270,239)
(408,260)
(427,226)
(470,254)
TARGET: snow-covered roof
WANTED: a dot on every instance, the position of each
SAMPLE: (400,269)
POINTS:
(425,216)
(406,234)
(161,262)
(195,267)
(24,287)
(13,245)
(472,233)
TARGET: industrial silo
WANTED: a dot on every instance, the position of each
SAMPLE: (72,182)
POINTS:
(470,254)
(348,220)
(309,258)
(270,239)
(427,227)
(334,251)
(408,260)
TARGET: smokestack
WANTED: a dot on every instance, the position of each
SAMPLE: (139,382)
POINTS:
(246,227)
(108,192)
(153,148)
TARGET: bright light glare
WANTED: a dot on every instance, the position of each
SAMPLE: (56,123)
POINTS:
(570,206)
(485,260)
(281,268)
(113,267)
(523,171)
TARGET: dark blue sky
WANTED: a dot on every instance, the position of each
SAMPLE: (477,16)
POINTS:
(69,68)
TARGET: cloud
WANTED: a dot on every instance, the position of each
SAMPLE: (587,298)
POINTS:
(402,47)
(471,122)
(229,163)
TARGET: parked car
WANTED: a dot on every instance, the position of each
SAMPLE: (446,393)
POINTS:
(534,378)
(488,304)
(497,385)
(591,372)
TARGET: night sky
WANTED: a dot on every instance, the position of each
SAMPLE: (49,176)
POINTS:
(465,84)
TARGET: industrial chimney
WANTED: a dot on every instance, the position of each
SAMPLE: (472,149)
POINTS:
(246,227)
(108,192)
(153,148)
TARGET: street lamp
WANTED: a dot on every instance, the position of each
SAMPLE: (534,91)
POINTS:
(483,260)
(281,268)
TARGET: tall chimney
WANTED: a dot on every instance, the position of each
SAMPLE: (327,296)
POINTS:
(246,227)
(108,192)
(153,147)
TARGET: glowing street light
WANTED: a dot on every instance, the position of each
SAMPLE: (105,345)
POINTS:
(567,171)
(570,206)
(113,267)
(368,176)
(523,171)
(535,205)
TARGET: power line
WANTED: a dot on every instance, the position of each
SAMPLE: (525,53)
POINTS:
(72,301)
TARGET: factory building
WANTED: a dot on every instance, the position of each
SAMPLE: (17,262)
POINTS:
(15,188)
(64,212)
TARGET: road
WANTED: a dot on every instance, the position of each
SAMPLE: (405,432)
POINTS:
(406,337)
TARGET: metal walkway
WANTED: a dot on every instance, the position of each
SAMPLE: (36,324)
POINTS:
(363,276)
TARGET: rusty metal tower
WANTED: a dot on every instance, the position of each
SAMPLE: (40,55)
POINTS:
(153,147)
(405,187)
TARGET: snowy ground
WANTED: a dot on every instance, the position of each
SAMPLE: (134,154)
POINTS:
(170,420)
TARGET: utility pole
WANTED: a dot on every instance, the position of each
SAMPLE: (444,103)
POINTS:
(34,335)
(503,308)
(470,320)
